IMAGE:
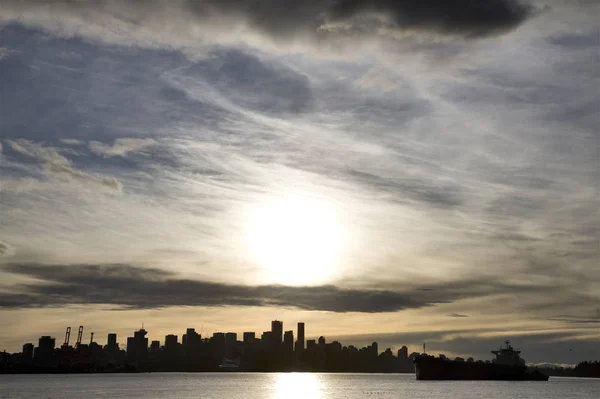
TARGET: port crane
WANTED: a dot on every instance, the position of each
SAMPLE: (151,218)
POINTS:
(79,336)
(67,338)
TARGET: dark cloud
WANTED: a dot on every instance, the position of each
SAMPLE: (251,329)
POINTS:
(576,41)
(281,20)
(135,287)
(469,18)
(590,318)
(151,288)
(458,315)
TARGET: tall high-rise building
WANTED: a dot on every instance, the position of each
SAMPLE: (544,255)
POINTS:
(170,342)
(112,347)
(230,343)
(266,339)
(249,338)
(137,346)
(155,346)
(300,341)
(46,344)
(111,341)
(374,349)
(277,332)
(218,338)
(192,338)
(44,353)
(230,339)
(28,352)
(218,343)
(288,341)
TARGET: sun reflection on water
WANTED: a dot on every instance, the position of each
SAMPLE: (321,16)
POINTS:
(298,386)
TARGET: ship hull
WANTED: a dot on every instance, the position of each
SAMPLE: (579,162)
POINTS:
(431,368)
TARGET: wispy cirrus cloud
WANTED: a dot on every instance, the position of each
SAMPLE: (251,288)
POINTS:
(121,146)
(56,164)
(5,52)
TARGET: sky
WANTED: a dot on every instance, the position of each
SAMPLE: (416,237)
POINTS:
(393,171)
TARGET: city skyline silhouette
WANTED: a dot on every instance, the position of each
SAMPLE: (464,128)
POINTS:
(390,171)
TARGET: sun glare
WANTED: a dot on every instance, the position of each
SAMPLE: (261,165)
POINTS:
(296,240)
(298,386)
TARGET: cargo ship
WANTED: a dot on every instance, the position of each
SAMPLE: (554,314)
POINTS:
(508,366)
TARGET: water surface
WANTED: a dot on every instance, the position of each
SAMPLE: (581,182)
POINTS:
(282,386)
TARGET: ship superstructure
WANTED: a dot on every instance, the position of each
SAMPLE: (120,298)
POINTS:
(508,356)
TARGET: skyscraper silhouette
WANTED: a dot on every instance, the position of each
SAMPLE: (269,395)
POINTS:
(137,346)
(28,352)
(44,353)
(249,337)
(300,341)
(277,332)
(111,342)
(170,342)
(288,342)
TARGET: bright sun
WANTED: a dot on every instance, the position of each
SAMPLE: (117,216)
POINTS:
(297,240)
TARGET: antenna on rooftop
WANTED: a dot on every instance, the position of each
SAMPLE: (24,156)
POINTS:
(424,351)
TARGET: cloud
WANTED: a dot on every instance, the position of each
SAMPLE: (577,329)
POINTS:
(251,82)
(5,52)
(465,18)
(134,287)
(188,23)
(590,318)
(47,155)
(406,190)
(6,249)
(456,17)
(122,147)
(73,142)
(56,164)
